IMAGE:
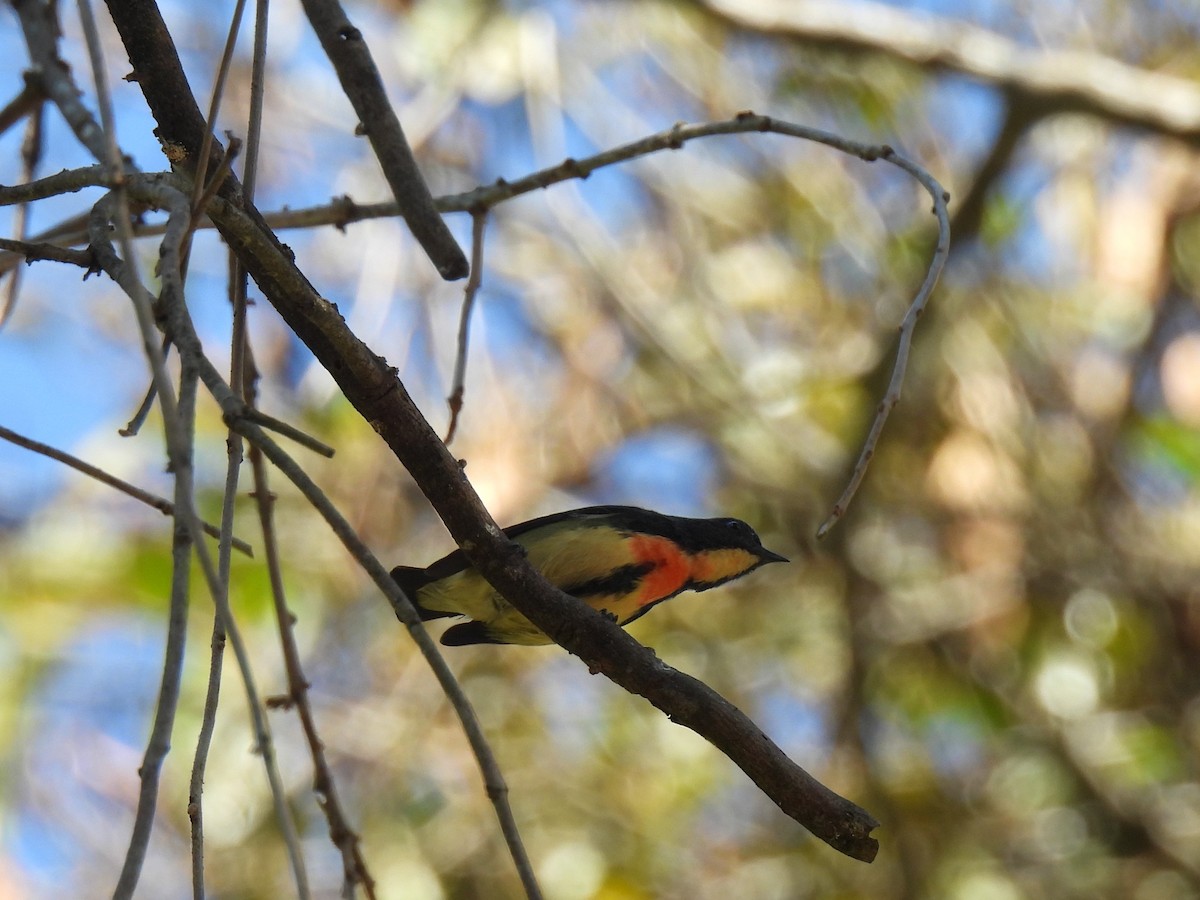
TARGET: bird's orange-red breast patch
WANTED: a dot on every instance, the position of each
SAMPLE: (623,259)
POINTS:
(671,571)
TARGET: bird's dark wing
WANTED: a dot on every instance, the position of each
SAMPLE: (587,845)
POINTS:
(577,516)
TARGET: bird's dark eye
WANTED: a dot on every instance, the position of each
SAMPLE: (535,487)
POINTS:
(740,528)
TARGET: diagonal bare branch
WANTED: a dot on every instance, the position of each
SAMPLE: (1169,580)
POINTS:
(347,50)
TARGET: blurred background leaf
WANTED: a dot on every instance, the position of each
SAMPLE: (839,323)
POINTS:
(995,652)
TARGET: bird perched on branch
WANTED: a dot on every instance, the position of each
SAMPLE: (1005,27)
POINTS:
(620,560)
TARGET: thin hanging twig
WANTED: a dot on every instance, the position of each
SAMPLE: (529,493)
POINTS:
(177,426)
(134,426)
(470,290)
(205,185)
(907,328)
(31,154)
(288,431)
(354,864)
(21,105)
(114,208)
(238,353)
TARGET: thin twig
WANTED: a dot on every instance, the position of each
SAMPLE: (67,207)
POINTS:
(180,582)
(216,664)
(21,105)
(159,744)
(907,327)
(31,154)
(135,423)
(474,281)
(53,75)
(271,423)
(493,778)
(258,86)
(178,428)
(354,865)
(203,192)
(210,188)
(208,724)
(68,181)
(344,210)
(166,507)
(238,354)
(216,651)
(35,250)
(204,184)
(351,58)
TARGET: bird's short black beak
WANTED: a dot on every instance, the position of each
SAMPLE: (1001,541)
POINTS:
(768,557)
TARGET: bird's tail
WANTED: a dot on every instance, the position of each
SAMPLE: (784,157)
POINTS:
(469,633)
(411,580)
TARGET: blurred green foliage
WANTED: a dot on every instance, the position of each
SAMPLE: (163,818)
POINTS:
(995,652)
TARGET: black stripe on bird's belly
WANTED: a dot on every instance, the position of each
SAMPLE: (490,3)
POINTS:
(616,583)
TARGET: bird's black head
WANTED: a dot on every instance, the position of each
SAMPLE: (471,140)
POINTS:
(721,550)
(734,534)
(693,536)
